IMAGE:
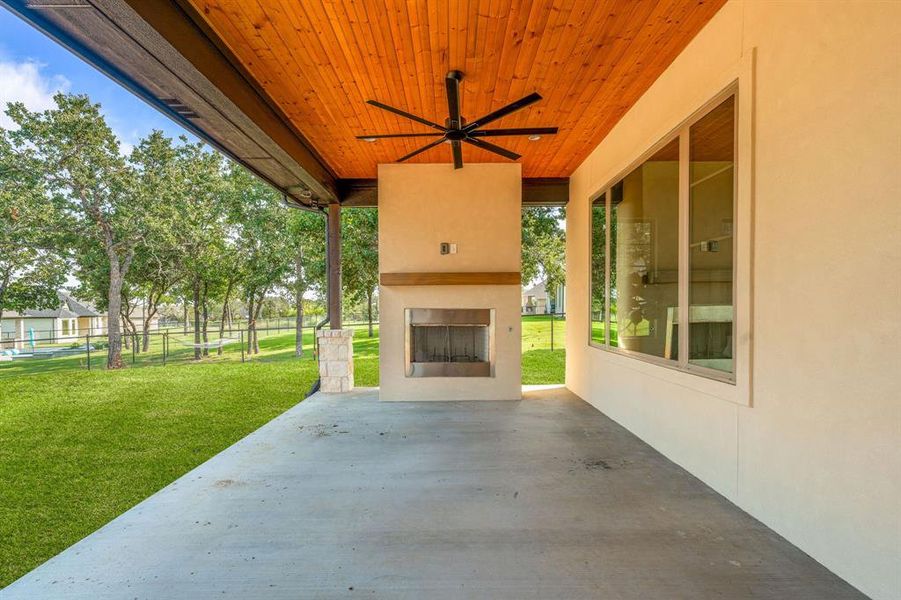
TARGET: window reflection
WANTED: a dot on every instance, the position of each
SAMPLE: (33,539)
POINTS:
(711,257)
(598,264)
(644,255)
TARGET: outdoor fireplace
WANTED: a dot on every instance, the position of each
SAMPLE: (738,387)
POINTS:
(442,342)
(449,323)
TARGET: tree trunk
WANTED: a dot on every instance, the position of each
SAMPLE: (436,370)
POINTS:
(126,339)
(149,313)
(3,286)
(114,305)
(369,310)
(197,353)
(145,326)
(145,332)
(128,326)
(256,339)
(298,304)
(251,322)
(206,319)
(228,291)
(118,269)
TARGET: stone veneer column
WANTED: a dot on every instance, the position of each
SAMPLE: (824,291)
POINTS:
(336,360)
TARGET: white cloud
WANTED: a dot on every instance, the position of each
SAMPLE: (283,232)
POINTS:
(24,82)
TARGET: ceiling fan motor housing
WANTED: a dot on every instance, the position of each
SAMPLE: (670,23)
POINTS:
(457,130)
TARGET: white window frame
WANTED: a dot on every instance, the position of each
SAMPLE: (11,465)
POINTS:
(736,384)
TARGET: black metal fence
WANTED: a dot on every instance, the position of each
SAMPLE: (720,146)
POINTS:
(170,345)
(158,347)
(65,335)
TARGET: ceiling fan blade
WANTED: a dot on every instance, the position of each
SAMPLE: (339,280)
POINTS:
(396,135)
(492,148)
(458,154)
(402,113)
(452,84)
(516,131)
(421,150)
(503,112)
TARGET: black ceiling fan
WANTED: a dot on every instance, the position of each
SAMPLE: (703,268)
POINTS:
(457,130)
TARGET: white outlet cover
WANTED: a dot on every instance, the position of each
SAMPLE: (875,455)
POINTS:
(453,248)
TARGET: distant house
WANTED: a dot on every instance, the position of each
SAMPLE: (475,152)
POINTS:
(68,321)
(537,301)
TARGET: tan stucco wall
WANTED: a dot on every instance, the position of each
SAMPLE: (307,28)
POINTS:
(817,453)
(477,208)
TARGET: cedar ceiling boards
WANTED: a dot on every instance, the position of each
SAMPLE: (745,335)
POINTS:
(281,85)
(320,60)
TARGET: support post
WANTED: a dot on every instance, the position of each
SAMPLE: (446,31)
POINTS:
(336,364)
(333,242)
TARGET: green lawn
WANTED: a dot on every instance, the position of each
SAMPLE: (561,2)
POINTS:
(79,447)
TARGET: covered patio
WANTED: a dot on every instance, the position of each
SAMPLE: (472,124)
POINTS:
(729,172)
(343,496)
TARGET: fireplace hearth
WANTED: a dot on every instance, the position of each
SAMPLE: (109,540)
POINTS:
(443,342)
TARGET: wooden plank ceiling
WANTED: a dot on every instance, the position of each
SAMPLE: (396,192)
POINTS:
(320,60)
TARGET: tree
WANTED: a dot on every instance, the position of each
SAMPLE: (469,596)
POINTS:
(76,157)
(158,263)
(32,268)
(543,246)
(230,274)
(259,223)
(360,256)
(306,232)
(198,226)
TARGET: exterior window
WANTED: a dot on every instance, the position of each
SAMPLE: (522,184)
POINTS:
(711,256)
(664,232)
(65,327)
(644,253)
(598,307)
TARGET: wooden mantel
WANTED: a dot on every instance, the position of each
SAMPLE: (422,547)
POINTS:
(470,278)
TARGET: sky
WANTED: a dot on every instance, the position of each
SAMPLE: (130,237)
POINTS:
(33,67)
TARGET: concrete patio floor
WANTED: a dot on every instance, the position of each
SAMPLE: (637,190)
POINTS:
(343,496)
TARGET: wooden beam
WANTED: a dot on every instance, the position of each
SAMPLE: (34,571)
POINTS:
(153,49)
(180,25)
(471,278)
(545,191)
(333,250)
(536,191)
(360,193)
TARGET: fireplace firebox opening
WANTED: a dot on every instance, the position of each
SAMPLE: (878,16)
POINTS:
(449,342)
